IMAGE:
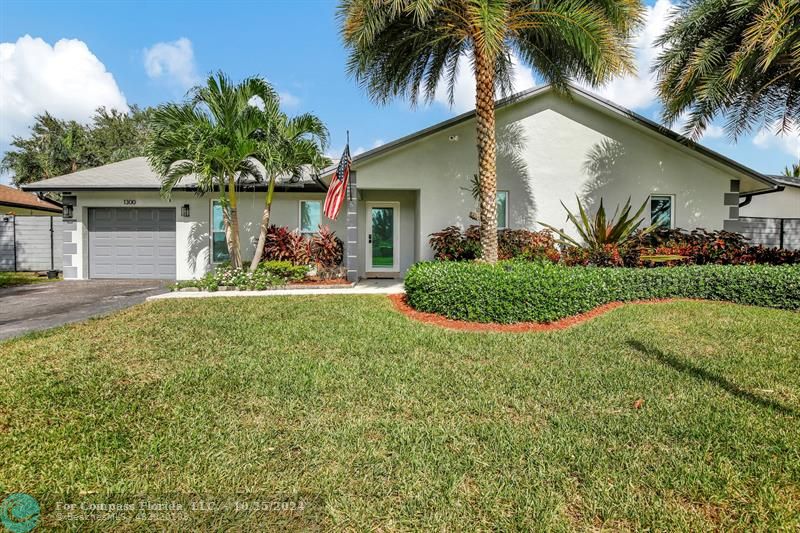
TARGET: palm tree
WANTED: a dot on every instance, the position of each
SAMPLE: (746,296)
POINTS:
(288,146)
(792,171)
(737,58)
(405,47)
(214,137)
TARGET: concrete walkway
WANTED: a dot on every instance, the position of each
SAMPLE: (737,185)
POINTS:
(367,286)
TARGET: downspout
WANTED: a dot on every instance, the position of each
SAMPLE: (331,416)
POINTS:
(748,197)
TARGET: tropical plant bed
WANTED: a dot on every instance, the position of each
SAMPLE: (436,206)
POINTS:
(519,291)
(269,275)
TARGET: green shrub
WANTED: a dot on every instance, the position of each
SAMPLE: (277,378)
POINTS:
(518,291)
(269,274)
(285,270)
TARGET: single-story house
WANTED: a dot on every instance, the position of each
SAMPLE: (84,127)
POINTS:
(774,219)
(16,202)
(551,148)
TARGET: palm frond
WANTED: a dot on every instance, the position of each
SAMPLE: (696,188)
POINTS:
(738,59)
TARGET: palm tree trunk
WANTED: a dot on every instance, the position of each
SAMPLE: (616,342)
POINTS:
(234,250)
(262,233)
(487,153)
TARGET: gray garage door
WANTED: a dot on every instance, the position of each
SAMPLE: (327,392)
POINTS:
(133,242)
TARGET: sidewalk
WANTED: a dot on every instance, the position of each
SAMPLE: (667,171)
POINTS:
(366,286)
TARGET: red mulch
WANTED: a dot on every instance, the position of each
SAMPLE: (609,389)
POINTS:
(399,301)
(315,282)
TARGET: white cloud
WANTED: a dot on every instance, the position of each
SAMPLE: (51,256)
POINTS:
(772,138)
(172,61)
(713,132)
(639,91)
(464,91)
(65,79)
(336,153)
(288,99)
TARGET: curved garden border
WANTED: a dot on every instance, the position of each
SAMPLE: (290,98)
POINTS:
(399,301)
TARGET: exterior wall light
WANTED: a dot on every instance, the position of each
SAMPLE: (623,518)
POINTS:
(67,213)
(185,210)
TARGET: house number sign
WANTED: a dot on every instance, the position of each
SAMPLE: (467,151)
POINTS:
(128,202)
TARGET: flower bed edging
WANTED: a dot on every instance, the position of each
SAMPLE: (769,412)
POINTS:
(399,301)
(287,286)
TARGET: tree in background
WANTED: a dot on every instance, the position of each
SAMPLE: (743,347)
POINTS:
(406,47)
(736,58)
(213,137)
(56,147)
(117,136)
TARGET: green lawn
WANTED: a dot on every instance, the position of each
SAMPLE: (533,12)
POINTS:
(10,279)
(376,422)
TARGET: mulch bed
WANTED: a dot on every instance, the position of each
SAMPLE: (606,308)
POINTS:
(399,301)
(316,282)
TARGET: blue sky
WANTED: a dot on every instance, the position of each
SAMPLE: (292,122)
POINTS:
(124,52)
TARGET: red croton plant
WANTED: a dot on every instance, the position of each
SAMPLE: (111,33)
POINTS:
(324,249)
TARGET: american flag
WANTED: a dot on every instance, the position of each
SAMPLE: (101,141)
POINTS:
(338,187)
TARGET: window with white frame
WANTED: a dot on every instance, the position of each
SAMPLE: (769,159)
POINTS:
(662,210)
(502,209)
(219,245)
(310,216)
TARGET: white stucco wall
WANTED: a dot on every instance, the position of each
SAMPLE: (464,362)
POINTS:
(783,204)
(550,150)
(192,233)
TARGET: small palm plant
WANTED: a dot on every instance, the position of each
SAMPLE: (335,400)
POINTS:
(288,145)
(600,231)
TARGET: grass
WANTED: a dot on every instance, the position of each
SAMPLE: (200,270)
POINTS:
(11,279)
(376,422)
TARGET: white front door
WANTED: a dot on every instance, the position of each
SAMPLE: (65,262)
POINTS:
(383,237)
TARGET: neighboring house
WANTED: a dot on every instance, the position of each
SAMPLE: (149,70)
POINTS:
(16,202)
(550,149)
(774,219)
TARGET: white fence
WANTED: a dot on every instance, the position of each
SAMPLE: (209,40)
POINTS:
(31,243)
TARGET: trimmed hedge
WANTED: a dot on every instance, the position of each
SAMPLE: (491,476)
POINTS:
(518,291)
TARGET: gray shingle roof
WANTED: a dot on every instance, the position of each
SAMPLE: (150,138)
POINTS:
(789,181)
(136,174)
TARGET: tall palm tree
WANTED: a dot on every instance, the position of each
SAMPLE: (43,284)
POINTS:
(736,58)
(288,147)
(406,47)
(214,136)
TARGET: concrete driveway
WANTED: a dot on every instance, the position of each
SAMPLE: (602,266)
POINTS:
(47,305)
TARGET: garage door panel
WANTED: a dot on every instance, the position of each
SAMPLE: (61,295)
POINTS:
(132,243)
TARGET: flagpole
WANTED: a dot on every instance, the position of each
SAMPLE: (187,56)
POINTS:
(347,147)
